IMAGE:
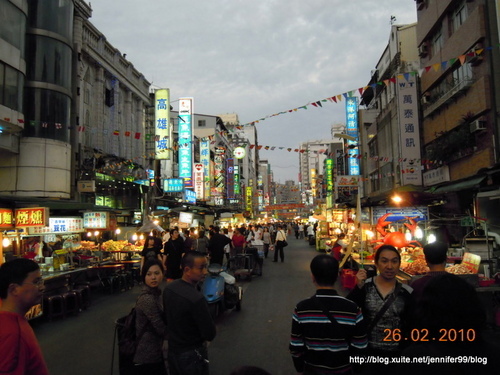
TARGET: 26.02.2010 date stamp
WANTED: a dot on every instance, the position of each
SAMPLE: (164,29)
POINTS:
(422,335)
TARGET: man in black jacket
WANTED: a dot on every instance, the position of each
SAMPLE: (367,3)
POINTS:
(216,246)
(189,324)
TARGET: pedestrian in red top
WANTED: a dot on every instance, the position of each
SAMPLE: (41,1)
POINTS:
(238,241)
(21,287)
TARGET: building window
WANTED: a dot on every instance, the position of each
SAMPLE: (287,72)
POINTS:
(202,123)
(109,97)
(11,88)
(437,42)
(86,96)
(459,15)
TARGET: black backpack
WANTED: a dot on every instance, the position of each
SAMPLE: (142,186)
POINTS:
(127,335)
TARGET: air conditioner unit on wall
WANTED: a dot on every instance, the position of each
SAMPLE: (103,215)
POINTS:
(477,125)
(422,50)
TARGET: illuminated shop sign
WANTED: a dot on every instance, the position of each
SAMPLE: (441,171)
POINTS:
(237,190)
(190,196)
(162,128)
(329,175)
(239,152)
(186,140)
(6,218)
(95,220)
(60,225)
(205,161)
(352,131)
(172,185)
(32,217)
(230,178)
(249,198)
(199,181)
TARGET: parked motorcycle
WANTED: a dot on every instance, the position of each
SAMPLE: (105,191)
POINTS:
(220,290)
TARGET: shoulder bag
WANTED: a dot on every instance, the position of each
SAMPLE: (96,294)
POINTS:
(388,302)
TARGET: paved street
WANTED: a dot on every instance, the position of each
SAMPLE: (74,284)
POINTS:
(256,335)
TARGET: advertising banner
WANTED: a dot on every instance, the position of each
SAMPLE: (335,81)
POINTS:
(162,128)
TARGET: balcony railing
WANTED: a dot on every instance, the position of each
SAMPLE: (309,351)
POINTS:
(454,91)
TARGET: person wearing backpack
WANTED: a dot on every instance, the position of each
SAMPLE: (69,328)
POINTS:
(149,324)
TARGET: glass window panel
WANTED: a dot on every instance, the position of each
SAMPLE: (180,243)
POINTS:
(12,25)
(51,61)
(52,15)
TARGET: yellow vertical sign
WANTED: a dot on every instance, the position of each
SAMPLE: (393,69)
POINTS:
(162,126)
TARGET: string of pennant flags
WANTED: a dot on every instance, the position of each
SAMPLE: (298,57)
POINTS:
(317,104)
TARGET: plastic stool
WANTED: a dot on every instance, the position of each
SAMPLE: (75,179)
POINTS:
(53,306)
(70,303)
(83,296)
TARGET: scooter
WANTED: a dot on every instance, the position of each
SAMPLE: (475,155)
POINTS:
(220,290)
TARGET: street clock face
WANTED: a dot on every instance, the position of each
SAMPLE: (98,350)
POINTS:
(239,152)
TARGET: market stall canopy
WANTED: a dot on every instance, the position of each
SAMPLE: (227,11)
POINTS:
(149,226)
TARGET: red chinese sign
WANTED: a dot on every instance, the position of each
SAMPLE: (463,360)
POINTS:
(6,218)
(32,217)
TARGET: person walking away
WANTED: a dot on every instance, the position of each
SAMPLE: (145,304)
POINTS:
(201,244)
(296,230)
(189,323)
(278,246)
(151,250)
(238,242)
(266,238)
(189,238)
(385,303)
(227,248)
(435,255)
(216,246)
(301,231)
(326,329)
(310,233)
(150,325)
(21,287)
(173,250)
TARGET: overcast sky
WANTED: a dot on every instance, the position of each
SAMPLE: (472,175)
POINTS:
(256,58)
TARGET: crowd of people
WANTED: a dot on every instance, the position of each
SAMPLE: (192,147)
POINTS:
(381,318)
(382,323)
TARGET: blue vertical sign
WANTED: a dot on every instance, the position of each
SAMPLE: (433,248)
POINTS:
(352,130)
(186,140)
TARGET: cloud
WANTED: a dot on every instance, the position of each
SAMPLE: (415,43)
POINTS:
(256,58)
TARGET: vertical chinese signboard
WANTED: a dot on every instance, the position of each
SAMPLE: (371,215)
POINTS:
(186,140)
(249,199)
(352,131)
(230,178)
(237,190)
(205,160)
(409,131)
(199,181)
(162,128)
(32,217)
(329,182)
(220,176)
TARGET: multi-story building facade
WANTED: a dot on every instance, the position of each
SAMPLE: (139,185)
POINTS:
(460,101)
(72,109)
(389,127)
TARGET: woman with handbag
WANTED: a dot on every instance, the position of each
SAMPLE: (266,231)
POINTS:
(150,327)
(385,303)
(280,244)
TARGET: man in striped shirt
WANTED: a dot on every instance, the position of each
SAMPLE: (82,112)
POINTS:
(326,328)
